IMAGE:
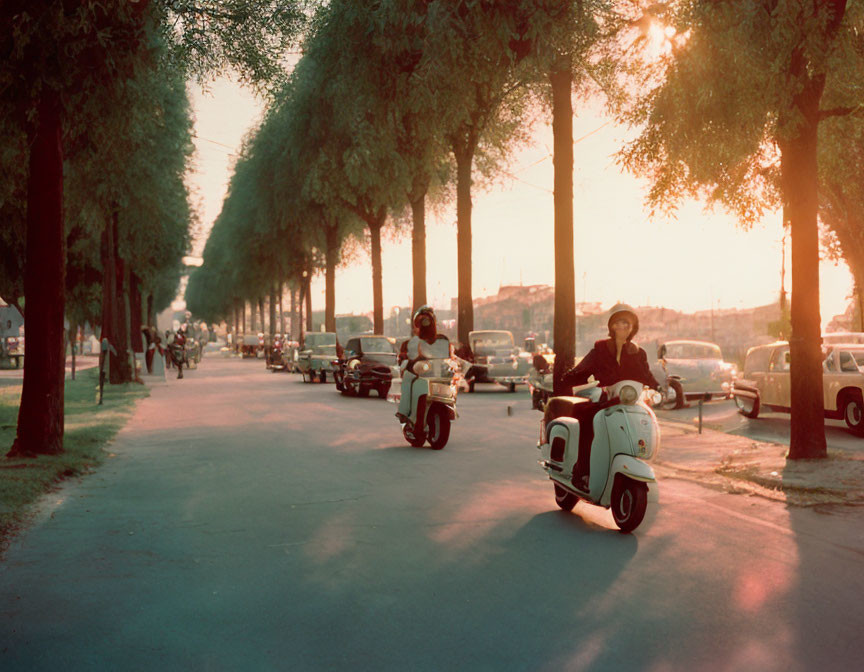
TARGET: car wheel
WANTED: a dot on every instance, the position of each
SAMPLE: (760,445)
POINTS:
(673,395)
(511,387)
(384,390)
(629,503)
(322,377)
(471,386)
(364,391)
(748,406)
(565,500)
(439,428)
(853,413)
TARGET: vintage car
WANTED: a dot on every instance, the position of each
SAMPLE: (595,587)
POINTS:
(689,369)
(318,356)
(365,365)
(843,337)
(252,345)
(12,350)
(496,360)
(765,383)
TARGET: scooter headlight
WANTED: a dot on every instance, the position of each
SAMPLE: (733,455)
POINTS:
(628,394)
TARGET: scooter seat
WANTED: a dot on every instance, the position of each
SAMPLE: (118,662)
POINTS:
(563,407)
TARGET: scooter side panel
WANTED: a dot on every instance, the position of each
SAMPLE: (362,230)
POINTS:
(566,430)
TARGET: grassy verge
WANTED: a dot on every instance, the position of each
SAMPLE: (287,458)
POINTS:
(88,428)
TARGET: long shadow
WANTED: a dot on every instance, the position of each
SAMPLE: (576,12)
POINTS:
(826,593)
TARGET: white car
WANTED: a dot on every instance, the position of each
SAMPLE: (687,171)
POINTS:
(766,382)
(692,369)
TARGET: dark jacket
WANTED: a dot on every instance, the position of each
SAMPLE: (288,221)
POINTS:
(601,364)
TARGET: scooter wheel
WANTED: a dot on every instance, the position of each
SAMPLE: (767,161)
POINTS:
(629,503)
(565,500)
(439,428)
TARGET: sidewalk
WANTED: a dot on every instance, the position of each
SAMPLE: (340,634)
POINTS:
(741,465)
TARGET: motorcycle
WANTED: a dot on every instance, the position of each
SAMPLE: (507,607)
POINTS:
(433,402)
(626,432)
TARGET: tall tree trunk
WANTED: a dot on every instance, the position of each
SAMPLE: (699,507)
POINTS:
(73,340)
(135,298)
(252,321)
(151,316)
(127,317)
(418,249)
(122,372)
(261,314)
(564,328)
(308,294)
(798,166)
(272,331)
(465,314)
(243,315)
(375,224)
(332,258)
(294,325)
(40,415)
(113,307)
(282,309)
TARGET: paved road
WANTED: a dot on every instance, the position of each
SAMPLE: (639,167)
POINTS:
(724,416)
(250,522)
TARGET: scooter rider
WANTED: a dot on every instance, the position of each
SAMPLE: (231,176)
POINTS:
(426,343)
(610,361)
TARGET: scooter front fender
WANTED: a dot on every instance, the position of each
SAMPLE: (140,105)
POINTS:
(635,469)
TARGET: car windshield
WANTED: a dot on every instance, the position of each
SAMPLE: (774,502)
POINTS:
(489,342)
(376,346)
(692,351)
(851,360)
(314,340)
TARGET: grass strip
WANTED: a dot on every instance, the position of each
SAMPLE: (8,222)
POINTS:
(88,428)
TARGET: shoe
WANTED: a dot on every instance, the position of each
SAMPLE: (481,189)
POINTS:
(401,417)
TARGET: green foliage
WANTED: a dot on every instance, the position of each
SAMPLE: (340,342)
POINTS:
(714,99)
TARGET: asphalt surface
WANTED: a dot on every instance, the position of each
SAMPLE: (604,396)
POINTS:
(246,521)
(723,415)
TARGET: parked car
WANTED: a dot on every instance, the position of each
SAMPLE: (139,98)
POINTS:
(366,364)
(13,350)
(252,345)
(765,383)
(496,360)
(688,369)
(318,356)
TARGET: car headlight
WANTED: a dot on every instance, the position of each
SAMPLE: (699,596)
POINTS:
(628,394)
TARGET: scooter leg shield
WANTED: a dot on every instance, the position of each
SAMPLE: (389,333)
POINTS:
(562,441)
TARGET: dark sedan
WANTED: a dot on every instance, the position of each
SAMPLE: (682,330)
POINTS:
(366,365)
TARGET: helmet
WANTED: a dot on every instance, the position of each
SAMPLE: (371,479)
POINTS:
(622,308)
(418,318)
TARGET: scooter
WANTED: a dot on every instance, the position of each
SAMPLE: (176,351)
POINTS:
(433,402)
(626,432)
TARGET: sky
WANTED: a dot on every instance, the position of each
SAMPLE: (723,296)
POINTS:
(698,260)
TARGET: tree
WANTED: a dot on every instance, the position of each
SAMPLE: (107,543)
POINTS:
(738,89)
(60,54)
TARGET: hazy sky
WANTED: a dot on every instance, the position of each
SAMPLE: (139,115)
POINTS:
(620,255)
